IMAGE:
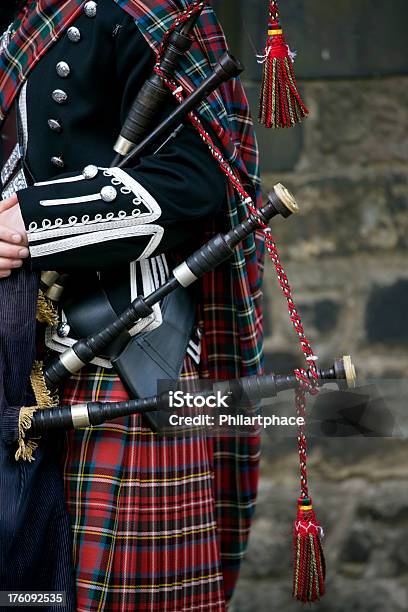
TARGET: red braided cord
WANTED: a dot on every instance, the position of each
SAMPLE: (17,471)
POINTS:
(273,11)
(306,384)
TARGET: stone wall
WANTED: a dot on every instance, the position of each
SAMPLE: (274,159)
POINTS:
(346,257)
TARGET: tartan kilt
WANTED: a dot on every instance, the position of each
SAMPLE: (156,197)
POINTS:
(156,521)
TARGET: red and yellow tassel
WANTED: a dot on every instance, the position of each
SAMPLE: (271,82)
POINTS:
(280,102)
(309,563)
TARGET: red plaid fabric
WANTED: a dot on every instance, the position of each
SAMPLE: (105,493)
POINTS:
(143,511)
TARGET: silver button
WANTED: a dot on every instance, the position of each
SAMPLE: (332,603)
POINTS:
(90,171)
(74,35)
(90,8)
(59,96)
(63,330)
(57,161)
(63,69)
(54,125)
(108,194)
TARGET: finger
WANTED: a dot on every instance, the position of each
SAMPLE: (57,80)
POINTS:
(13,252)
(9,203)
(9,235)
(5,274)
(8,264)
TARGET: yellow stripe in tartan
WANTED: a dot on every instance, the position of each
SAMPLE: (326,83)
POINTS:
(161,585)
(122,431)
(140,480)
(101,605)
(154,537)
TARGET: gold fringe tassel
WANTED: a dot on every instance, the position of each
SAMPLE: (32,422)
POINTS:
(43,396)
(44,399)
(46,311)
(26,448)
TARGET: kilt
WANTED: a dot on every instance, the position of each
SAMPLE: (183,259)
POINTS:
(147,528)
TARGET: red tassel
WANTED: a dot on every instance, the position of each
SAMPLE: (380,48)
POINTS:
(309,563)
(280,103)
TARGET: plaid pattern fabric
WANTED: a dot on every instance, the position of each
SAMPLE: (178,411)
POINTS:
(142,511)
(162,524)
(37,28)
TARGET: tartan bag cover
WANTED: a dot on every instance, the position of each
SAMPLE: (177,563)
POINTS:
(232,343)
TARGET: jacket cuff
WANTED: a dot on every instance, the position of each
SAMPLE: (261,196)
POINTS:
(96,206)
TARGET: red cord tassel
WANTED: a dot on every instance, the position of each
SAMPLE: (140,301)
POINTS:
(280,103)
(309,563)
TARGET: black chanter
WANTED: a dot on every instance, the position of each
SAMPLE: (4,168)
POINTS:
(252,388)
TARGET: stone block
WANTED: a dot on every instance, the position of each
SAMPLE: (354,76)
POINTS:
(386,314)
(358,545)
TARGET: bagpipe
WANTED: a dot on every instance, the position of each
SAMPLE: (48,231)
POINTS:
(138,134)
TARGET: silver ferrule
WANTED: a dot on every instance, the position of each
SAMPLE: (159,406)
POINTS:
(49,278)
(184,275)
(55,292)
(80,416)
(71,361)
(123,146)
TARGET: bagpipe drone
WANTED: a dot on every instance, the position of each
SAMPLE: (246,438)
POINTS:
(280,106)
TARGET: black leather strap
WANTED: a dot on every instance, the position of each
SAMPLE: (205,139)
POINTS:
(88,309)
(157,356)
(141,361)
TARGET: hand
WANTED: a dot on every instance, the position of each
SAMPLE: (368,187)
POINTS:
(13,237)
